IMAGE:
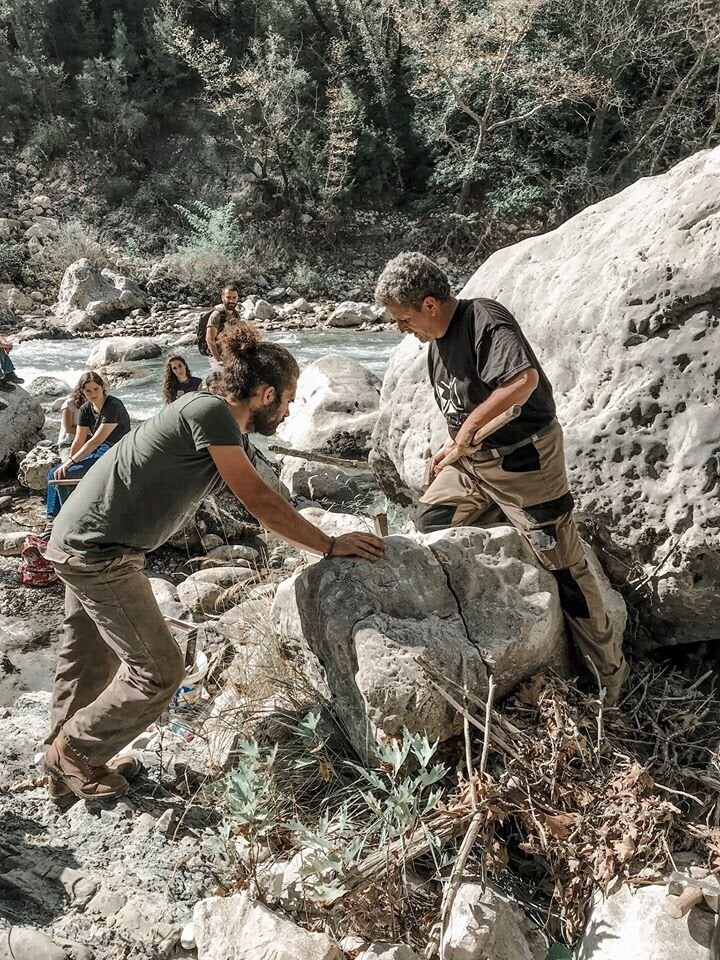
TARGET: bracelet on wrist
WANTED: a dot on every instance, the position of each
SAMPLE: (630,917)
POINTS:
(71,459)
(328,552)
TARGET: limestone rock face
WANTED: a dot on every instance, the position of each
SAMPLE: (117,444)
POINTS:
(632,924)
(335,408)
(99,294)
(20,423)
(485,925)
(237,928)
(34,468)
(324,483)
(122,349)
(442,598)
(410,427)
(621,306)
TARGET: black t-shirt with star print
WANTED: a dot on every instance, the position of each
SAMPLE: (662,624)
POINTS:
(482,349)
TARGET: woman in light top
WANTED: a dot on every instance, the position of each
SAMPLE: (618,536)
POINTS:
(178,380)
(69,419)
(102,420)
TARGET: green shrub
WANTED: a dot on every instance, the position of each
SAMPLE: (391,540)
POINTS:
(306,279)
(48,139)
(74,241)
(211,228)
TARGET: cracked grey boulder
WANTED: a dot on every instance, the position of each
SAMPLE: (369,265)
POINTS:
(621,304)
(451,597)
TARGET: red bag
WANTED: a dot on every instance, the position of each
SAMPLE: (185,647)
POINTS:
(34,569)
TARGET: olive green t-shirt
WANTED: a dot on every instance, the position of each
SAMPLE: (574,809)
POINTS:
(149,484)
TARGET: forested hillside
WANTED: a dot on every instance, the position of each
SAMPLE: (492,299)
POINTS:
(490,118)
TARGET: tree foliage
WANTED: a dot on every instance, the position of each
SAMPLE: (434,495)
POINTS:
(517,110)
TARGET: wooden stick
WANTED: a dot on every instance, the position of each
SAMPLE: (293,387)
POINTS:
(64,483)
(380,523)
(475,824)
(320,458)
(496,423)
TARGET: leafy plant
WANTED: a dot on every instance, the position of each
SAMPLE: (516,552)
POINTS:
(211,228)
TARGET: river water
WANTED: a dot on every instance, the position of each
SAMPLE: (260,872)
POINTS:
(65,359)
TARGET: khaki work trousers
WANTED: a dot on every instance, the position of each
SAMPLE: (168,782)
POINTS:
(118,665)
(529,488)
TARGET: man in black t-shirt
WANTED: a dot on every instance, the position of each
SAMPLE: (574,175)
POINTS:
(481,364)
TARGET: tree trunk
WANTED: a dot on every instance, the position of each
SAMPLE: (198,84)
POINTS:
(466,186)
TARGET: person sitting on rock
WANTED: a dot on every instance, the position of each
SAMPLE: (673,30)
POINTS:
(8,377)
(118,665)
(69,419)
(102,422)
(225,312)
(480,364)
(177,379)
(214,382)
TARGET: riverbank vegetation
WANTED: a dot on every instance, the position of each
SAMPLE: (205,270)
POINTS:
(495,116)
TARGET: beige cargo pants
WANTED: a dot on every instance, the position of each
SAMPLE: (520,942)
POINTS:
(529,488)
(118,665)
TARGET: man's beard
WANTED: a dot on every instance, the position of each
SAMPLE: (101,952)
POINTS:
(265,420)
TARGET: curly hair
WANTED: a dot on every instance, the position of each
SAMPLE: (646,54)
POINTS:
(409,278)
(170,381)
(249,362)
(85,378)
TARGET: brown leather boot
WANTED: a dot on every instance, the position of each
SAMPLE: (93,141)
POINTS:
(126,765)
(82,779)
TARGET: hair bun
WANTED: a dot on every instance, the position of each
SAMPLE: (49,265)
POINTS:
(238,337)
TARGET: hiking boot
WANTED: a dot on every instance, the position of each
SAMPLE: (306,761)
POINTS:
(14,378)
(614,683)
(127,766)
(81,778)
(6,386)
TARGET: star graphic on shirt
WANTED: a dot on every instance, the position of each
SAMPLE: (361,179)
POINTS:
(448,397)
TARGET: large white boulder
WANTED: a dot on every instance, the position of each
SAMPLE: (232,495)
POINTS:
(238,928)
(633,924)
(620,304)
(335,408)
(444,598)
(20,423)
(84,284)
(122,349)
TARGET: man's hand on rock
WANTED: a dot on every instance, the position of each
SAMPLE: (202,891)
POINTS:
(357,544)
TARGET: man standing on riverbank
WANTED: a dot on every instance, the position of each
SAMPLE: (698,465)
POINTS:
(480,365)
(225,312)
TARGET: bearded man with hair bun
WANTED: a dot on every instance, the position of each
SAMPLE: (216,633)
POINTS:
(118,665)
